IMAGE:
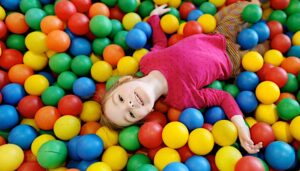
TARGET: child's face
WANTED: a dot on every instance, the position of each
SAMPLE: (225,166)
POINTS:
(129,103)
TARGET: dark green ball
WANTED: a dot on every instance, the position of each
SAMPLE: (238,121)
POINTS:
(216,85)
(81,65)
(294,7)
(99,45)
(110,3)
(293,22)
(116,27)
(16,41)
(145,8)
(252,13)
(292,84)
(278,15)
(136,161)
(26,5)
(128,138)
(232,89)
(52,95)
(49,9)
(198,2)
(288,108)
(127,5)
(66,80)
(60,62)
(208,8)
(120,39)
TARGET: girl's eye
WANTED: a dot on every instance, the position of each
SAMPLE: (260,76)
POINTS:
(121,99)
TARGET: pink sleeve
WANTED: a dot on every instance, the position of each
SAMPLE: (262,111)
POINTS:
(208,97)
(158,36)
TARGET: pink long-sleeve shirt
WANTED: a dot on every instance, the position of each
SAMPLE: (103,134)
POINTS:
(189,66)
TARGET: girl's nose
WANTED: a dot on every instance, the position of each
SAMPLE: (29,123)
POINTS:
(131,104)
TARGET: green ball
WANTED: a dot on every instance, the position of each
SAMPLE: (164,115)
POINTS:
(145,8)
(208,8)
(116,27)
(216,85)
(232,89)
(52,95)
(4,134)
(288,108)
(100,26)
(52,154)
(252,13)
(26,5)
(198,2)
(109,3)
(136,161)
(293,22)
(264,164)
(139,74)
(81,65)
(147,167)
(128,138)
(49,9)
(292,84)
(120,39)
(33,18)
(66,80)
(174,12)
(128,5)
(294,7)
(60,62)
(16,41)
(99,45)
(278,15)
(111,81)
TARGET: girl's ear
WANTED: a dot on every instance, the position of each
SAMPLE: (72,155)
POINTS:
(125,78)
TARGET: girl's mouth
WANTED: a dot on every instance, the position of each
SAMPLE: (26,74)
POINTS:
(139,99)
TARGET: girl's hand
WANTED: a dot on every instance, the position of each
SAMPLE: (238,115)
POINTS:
(247,143)
(160,10)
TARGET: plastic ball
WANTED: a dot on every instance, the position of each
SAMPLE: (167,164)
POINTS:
(208,8)
(267,92)
(201,141)
(276,151)
(2,13)
(108,136)
(39,141)
(218,130)
(291,22)
(214,114)
(66,79)
(128,138)
(52,154)
(145,8)
(33,17)
(282,131)
(35,61)
(80,46)
(288,109)
(11,157)
(165,156)
(3,29)
(147,167)
(127,66)
(262,30)
(78,24)
(82,5)
(84,87)
(81,65)
(70,105)
(19,73)
(158,117)
(46,117)
(252,13)
(26,6)
(26,166)
(139,54)
(275,28)
(266,113)
(58,41)
(249,163)
(16,23)
(116,157)
(291,85)
(128,5)
(191,118)
(176,166)
(64,10)
(130,20)
(295,38)
(277,75)
(72,148)
(273,57)
(12,93)
(294,51)
(113,53)
(9,116)
(247,101)
(116,13)
(191,28)
(15,41)
(136,161)
(208,23)
(29,105)
(91,111)
(247,81)
(227,157)
(99,44)
(169,23)
(278,15)
(98,8)
(247,39)
(194,15)
(195,162)
(89,147)
(91,127)
(99,166)
(10,57)
(67,127)
(100,26)
(160,2)
(36,84)
(22,135)
(136,38)
(294,126)
(218,3)
(116,27)
(262,132)
(60,62)
(175,135)
(101,71)
(149,134)
(281,42)
(120,39)
(36,42)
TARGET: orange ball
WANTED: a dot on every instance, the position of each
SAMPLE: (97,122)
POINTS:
(51,23)
(175,38)
(285,95)
(19,73)
(46,117)
(58,41)
(89,128)
(15,22)
(113,53)
(173,114)
(98,8)
(291,65)
(161,106)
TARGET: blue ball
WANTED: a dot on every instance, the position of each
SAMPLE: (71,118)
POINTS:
(49,76)
(70,34)
(176,166)
(12,93)
(89,147)
(45,2)
(214,114)
(9,117)
(262,30)
(294,51)
(145,27)
(72,148)
(247,81)
(197,163)
(80,46)
(280,155)
(22,135)
(136,39)
(192,118)
(84,87)
(83,165)
(247,39)
(194,15)
(11,5)
(247,101)
(72,164)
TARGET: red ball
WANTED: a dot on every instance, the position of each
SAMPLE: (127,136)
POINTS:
(30,166)
(279,4)
(262,132)
(100,92)
(185,153)
(29,105)
(275,28)
(152,151)
(2,46)
(78,24)
(150,134)
(281,42)
(29,156)
(207,126)
(10,57)
(70,105)
(278,75)
(174,39)
(2,141)
(3,79)
(262,72)
(185,8)
(156,116)
(64,10)
(191,28)
(3,29)
(211,160)
(116,13)
(82,5)
(249,163)
(291,65)
(0,98)
(228,2)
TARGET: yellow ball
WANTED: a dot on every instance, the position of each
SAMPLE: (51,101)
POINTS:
(30,122)
(67,127)
(273,57)
(11,157)
(36,42)
(39,141)
(2,13)
(250,121)
(115,72)
(160,2)
(174,3)
(101,71)
(218,3)
(296,38)
(282,131)
(36,61)
(175,134)
(181,27)
(164,156)
(266,13)
(109,137)
(252,61)
(36,84)
(224,132)
(58,169)
(116,157)
(139,54)
(207,22)
(169,23)
(266,113)
(227,157)
(267,92)
(127,66)
(94,58)
(201,141)
(50,53)
(130,19)
(295,127)
(91,111)
(99,166)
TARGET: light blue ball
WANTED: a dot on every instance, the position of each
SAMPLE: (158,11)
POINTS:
(214,114)
(89,147)
(136,39)
(197,163)
(176,166)
(247,39)
(22,135)
(262,30)
(247,81)
(9,117)
(84,87)
(247,101)
(80,46)
(192,118)
(194,15)
(145,27)
(294,51)
(12,93)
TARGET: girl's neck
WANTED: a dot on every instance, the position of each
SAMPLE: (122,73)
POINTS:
(158,82)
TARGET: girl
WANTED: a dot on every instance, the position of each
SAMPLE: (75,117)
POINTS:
(180,73)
